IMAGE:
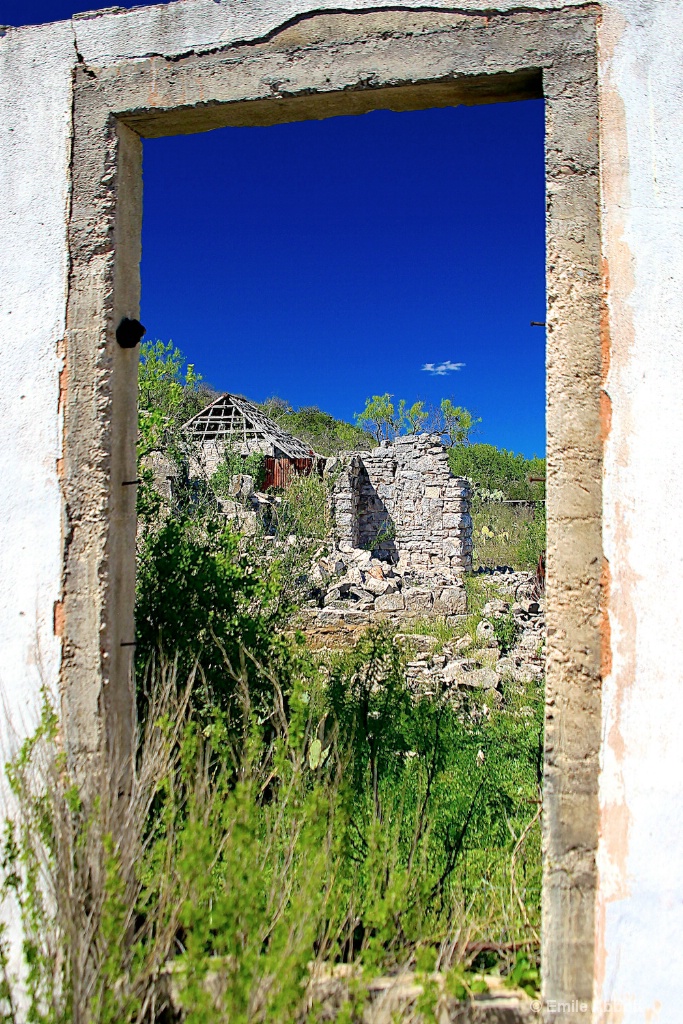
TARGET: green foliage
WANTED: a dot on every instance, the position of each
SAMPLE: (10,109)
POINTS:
(233,464)
(506,631)
(348,822)
(281,814)
(524,975)
(325,434)
(415,418)
(63,873)
(380,418)
(428,821)
(437,627)
(169,393)
(511,535)
(456,423)
(533,541)
(199,598)
(495,469)
(386,533)
(305,510)
(251,860)
(385,421)
(497,532)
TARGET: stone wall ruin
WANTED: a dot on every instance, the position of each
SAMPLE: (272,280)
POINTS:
(402,502)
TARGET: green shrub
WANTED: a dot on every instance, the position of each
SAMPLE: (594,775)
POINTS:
(169,393)
(200,599)
(305,510)
(506,631)
(533,541)
(495,469)
(325,434)
(232,464)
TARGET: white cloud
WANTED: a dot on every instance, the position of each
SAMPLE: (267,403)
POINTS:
(441,369)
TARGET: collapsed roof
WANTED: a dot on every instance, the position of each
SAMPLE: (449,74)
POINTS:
(234,419)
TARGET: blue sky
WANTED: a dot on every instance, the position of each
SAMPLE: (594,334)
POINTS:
(326,261)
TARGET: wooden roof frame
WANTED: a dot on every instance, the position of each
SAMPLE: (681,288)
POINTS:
(231,416)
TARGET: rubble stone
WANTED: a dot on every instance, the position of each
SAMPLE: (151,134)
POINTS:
(418,599)
(390,603)
(451,601)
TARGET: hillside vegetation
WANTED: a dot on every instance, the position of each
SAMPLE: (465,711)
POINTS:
(495,472)
(294,815)
(508,504)
(325,434)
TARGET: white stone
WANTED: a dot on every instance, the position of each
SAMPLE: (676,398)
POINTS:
(390,603)
(451,601)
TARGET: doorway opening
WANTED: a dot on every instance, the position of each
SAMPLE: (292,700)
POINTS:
(343,451)
(446,60)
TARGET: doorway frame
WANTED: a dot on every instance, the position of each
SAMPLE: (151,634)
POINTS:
(319,66)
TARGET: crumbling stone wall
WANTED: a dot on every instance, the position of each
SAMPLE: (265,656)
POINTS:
(401,501)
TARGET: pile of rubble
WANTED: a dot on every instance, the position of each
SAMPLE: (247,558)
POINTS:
(354,589)
(469,663)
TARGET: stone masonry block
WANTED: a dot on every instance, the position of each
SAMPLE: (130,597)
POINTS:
(451,601)
(418,599)
(390,603)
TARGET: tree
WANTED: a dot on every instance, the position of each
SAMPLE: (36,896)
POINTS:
(325,434)
(276,407)
(456,423)
(415,418)
(386,421)
(169,393)
(380,418)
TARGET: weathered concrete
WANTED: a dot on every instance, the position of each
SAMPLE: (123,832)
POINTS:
(66,562)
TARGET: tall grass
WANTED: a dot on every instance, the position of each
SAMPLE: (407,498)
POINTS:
(306,510)
(351,824)
(505,534)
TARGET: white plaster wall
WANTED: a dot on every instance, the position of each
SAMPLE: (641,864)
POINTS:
(35,125)
(640,911)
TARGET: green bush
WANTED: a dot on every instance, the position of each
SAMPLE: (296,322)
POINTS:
(232,464)
(325,434)
(169,393)
(199,598)
(494,469)
(533,541)
(506,631)
(305,508)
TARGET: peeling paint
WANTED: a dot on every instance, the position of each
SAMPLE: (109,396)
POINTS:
(640,866)
(59,618)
